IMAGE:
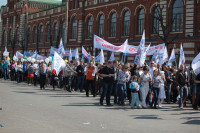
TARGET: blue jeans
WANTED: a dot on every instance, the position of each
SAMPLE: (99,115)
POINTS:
(183,92)
(5,74)
(122,93)
(168,92)
(135,100)
(80,82)
(155,98)
(148,98)
(107,90)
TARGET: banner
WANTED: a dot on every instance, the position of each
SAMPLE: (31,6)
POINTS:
(196,64)
(182,56)
(39,57)
(172,58)
(58,63)
(52,50)
(85,54)
(102,44)
(19,55)
(70,55)
(28,53)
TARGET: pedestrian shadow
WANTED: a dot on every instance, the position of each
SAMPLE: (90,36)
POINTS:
(146,117)
(24,92)
(192,120)
(81,104)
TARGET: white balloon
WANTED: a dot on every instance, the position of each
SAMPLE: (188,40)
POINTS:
(29,59)
(22,60)
(32,60)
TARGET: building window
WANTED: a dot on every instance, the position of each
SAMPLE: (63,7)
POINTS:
(4,38)
(41,33)
(28,35)
(89,30)
(74,28)
(156,20)
(177,17)
(113,24)
(48,32)
(10,37)
(17,35)
(141,22)
(101,26)
(74,4)
(126,27)
(55,31)
(63,31)
(35,35)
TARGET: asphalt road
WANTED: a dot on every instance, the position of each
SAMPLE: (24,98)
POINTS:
(26,109)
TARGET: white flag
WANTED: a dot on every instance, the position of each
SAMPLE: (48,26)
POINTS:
(112,57)
(172,58)
(143,55)
(76,55)
(58,63)
(155,57)
(70,55)
(5,53)
(19,55)
(61,50)
(102,57)
(163,57)
(196,64)
(182,56)
(142,43)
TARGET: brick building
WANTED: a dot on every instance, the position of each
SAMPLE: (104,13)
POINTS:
(36,24)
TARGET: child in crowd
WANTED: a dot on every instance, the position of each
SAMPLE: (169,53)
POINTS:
(134,92)
(162,95)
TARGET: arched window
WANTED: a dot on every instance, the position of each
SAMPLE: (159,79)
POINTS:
(177,17)
(126,28)
(156,20)
(41,33)
(17,35)
(89,28)
(74,28)
(55,31)
(10,37)
(74,4)
(141,22)
(101,25)
(4,38)
(35,35)
(63,31)
(28,35)
(48,32)
(113,24)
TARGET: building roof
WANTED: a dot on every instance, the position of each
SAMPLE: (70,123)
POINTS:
(47,1)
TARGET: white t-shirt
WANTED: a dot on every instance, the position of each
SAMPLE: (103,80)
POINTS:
(151,71)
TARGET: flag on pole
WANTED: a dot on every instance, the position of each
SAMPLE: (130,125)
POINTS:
(70,55)
(5,53)
(142,51)
(100,57)
(172,58)
(196,64)
(112,56)
(143,55)
(163,56)
(19,55)
(155,57)
(182,56)
(142,43)
(76,55)
(61,50)
(58,63)
(85,54)
(136,59)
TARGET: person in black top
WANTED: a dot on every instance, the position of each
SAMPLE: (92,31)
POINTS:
(80,78)
(197,100)
(108,75)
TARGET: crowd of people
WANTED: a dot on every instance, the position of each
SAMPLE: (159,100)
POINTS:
(140,87)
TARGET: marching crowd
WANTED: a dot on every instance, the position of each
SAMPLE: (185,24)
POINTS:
(141,87)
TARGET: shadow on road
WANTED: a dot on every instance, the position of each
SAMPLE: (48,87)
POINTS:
(146,117)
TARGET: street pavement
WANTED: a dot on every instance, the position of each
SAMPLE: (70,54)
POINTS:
(27,109)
